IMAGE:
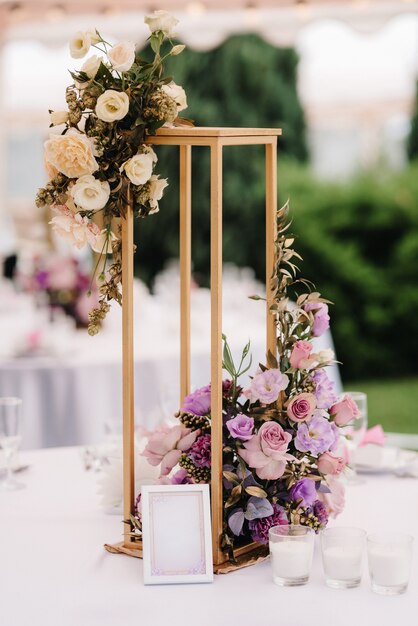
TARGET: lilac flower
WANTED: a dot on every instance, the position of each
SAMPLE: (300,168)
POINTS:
(181,477)
(321,513)
(316,436)
(200,451)
(197,402)
(321,317)
(266,386)
(260,527)
(304,490)
(241,427)
(324,392)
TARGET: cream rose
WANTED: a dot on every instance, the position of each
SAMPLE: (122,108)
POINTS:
(161,21)
(122,56)
(139,167)
(58,117)
(157,186)
(112,105)
(89,193)
(71,154)
(80,44)
(177,93)
(91,66)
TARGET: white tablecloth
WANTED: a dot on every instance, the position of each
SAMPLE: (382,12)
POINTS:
(55,572)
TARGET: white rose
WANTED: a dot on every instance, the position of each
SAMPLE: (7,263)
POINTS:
(139,167)
(326,355)
(89,193)
(157,186)
(80,44)
(94,36)
(122,56)
(112,105)
(161,21)
(177,93)
(91,66)
(58,117)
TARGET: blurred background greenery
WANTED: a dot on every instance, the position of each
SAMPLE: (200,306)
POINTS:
(359,238)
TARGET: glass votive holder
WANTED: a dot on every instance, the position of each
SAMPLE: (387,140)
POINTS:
(390,557)
(291,552)
(343,556)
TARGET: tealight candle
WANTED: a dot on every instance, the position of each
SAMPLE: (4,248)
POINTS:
(291,551)
(390,557)
(342,556)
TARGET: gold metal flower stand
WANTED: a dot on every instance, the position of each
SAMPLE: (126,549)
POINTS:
(215,139)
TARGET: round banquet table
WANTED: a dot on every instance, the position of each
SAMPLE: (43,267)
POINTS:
(54,569)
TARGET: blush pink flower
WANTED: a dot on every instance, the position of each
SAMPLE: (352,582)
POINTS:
(166,446)
(329,464)
(299,358)
(334,501)
(77,230)
(266,451)
(266,386)
(321,317)
(344,411)
(301,407)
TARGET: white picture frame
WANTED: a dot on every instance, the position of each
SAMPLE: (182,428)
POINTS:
(176,534)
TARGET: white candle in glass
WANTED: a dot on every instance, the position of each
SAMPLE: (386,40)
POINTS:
(291,550)
(342,556)
(390,559)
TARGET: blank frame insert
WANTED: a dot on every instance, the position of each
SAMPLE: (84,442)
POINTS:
(177,545)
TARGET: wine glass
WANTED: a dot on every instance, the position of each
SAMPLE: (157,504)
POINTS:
(10,438)
(356,431)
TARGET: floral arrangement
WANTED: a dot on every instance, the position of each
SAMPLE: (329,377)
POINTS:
(65,284)
(100,162)
(280,435)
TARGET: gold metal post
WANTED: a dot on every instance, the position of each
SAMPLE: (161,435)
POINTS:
(185,266)
(271,210)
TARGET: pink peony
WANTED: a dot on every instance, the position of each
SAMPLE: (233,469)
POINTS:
(334,500)
(321,317)
(299,358)
(301,407)
(266,451)
(266,386)
(166,446)
(344,411)
(330,464)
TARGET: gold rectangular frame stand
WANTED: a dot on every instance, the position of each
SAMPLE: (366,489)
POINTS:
(215,139)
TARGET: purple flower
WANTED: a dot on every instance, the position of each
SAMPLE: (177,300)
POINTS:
(321,317)
(320,512)
(316,436)
(266,386)
(181,477)
(304,490)
(324,392)
(197,402)
(241,427)
(259,528)
(200,451)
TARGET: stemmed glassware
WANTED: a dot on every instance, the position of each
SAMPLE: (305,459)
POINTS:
(356,431)
(10,438)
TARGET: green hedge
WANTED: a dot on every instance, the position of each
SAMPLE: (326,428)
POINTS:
(360,246)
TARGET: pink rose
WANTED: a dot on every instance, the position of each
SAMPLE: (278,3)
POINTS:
(321,317)
(301,407)
(330,464)
(166,446)
(299,357)
(344,411)
(266,451)
(334,501)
